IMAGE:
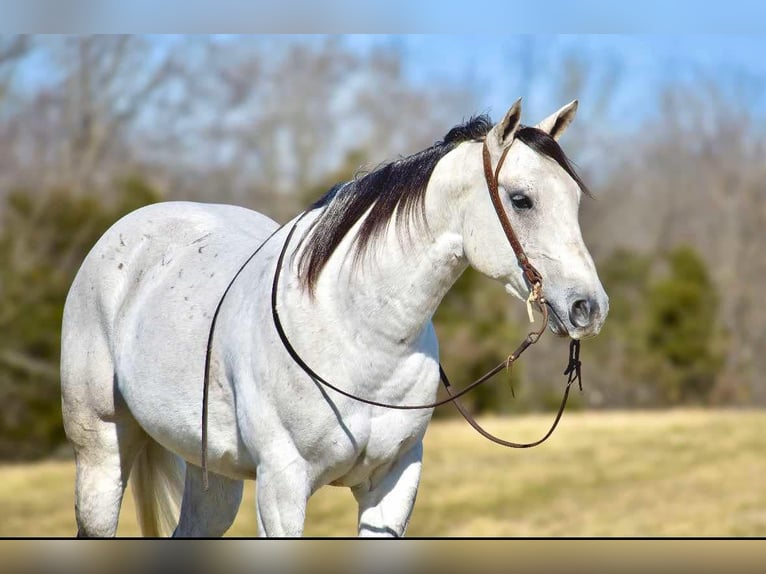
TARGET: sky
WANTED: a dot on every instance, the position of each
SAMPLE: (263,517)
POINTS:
(490,64)
(333,16)
(646,63)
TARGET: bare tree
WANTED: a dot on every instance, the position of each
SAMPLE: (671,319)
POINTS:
(110,82)
(12,51)
(73,128)
(273,118)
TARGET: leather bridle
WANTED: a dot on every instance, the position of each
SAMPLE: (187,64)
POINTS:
(535,284)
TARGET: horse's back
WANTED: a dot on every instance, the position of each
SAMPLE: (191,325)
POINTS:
(145,296)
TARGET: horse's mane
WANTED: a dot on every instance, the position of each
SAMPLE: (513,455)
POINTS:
(396,190)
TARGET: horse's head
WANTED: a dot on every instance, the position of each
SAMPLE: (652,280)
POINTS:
(540,193)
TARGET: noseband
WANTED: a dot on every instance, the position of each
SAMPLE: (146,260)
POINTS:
(535,284)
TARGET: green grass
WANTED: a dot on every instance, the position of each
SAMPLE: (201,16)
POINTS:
(665,473)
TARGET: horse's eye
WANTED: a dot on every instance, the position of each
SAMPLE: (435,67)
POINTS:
(521,201)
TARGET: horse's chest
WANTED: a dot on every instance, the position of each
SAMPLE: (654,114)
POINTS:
(389,435)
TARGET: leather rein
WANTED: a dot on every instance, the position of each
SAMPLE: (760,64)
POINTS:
(531,275)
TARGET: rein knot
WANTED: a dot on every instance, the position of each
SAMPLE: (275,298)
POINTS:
(574,367)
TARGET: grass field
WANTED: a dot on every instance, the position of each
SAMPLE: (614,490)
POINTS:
(676,473)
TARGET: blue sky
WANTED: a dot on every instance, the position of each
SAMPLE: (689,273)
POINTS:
(645,62)
(489,65)
(334,16)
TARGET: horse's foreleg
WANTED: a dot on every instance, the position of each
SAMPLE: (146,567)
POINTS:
(385,508)
(282,491)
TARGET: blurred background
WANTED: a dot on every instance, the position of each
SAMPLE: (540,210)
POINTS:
(669,136)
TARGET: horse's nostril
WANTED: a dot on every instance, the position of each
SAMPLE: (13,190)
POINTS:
(582,312)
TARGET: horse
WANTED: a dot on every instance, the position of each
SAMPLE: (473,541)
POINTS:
(369,265)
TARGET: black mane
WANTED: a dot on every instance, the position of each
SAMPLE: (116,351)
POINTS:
(396,190)
(545,145)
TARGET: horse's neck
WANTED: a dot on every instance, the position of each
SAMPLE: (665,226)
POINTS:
(394,295)
(398,286)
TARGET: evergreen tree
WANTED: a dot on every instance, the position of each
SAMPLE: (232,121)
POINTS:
(681,330)
(42,244)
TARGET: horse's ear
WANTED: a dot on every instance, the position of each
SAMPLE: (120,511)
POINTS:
(501,135)
(557,123)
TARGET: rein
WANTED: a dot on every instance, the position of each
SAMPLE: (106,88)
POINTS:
(531,275)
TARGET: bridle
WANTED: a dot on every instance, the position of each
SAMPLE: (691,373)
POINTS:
(531,275)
